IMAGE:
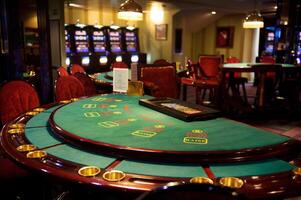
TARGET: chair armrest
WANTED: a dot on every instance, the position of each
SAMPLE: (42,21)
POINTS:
(151,88)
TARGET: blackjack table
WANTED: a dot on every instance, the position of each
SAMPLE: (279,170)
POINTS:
(111,141)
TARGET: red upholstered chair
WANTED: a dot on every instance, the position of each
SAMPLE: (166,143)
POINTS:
(61,71)
(68,87)
(208,77)
(161,62)
(189,79)
(119,65)
(268,60)
(238,80)
(160,81)
(16,97)
(90,88)
(76,68)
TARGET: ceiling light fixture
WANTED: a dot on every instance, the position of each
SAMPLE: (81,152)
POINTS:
(130,10)
(254,19)
(213,12)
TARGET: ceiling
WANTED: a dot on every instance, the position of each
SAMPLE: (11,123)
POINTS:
(237,6)
(225,6)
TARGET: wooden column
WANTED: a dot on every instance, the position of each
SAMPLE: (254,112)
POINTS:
(45,57)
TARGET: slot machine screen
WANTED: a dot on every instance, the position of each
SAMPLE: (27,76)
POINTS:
(103,60)
(81,41)
(134,58)
(115,41)
(269,48)
(99,41)
(85,61)
(271,36)
(131,41)
(67,42)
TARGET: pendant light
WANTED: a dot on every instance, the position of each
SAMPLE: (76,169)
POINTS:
(253,20)
(130,10)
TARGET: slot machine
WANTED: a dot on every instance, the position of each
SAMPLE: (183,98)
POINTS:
(68,48)
(131,46)
(98,45)
(298,47)
(115,44)
(270,39)
(81,42)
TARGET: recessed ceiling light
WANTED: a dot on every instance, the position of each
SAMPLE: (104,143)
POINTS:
(213,12)
(275,7)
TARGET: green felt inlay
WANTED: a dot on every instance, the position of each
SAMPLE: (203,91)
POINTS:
(251,168)
(102,76)
(129,124)
(157,169)
(52,109)
(39,120)
(75,155)
(41,137)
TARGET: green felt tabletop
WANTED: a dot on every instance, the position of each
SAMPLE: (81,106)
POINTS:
(75,155)
(39,120)
(41,137)
(265,167)
(248,65)
(118,119)
(161,169)
(103,76)
(52,109)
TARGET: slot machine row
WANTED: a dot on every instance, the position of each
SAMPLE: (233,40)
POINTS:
(96,48)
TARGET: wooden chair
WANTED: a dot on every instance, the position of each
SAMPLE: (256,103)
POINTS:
(68,87)
(189,79)
(90,88)
(16,98)
(62,71)
(162,62)
(76,68)
(191,191)
(237,80)
(159,81)
(208,78)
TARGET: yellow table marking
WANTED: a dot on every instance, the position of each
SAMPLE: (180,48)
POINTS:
(197,131)
(89,106)
(108,124)
(159,126)
(92,114)
(195,140)
(117,113)
(118,100)
(113,106)
(132,119)
(99,99)
(144,133)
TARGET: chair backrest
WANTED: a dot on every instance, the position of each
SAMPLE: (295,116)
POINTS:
(62,71)
(68,87)
(90,88)
(210,65)
(76,68)
(120,65)
(17,97)
(161,62)
(191,191)
(232,59)
(164,77)
(267,59)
